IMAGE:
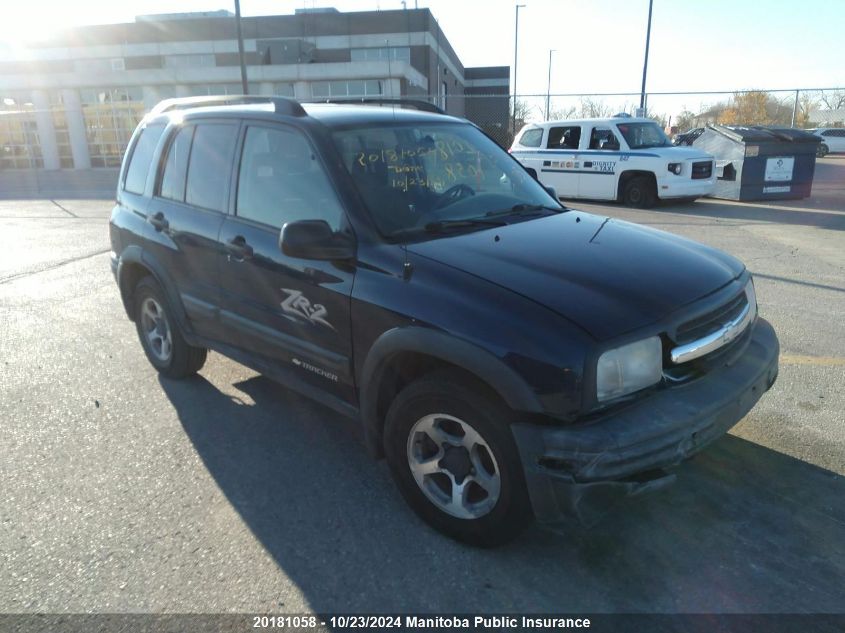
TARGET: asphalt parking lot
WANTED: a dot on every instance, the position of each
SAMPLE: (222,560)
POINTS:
(124,492)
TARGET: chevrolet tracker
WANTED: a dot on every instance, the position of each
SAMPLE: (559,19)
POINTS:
(511,358)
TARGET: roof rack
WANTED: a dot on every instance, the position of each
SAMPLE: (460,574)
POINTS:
(282,105)
(415,104)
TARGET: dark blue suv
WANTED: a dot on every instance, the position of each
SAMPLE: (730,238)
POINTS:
(512,358)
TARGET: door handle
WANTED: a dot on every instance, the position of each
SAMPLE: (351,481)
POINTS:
(238,249)
(158,221)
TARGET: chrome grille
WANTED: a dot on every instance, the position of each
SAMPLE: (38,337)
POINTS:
(708,323)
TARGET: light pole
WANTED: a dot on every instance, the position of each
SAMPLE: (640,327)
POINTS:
(549,84)
(244,85)
(515,52)
(645,63)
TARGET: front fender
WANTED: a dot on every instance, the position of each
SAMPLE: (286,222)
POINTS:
(443,346)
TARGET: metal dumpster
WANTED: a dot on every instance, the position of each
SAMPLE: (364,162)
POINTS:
(760,163)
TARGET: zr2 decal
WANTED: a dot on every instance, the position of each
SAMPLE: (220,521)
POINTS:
(300,308)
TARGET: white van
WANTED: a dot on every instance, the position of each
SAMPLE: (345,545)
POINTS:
(620,158)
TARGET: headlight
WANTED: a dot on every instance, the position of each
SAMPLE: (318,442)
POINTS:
(629,368)
(675,168)
(751,295)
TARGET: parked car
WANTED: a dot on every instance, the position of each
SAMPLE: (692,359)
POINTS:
(620,158)
(688,137)
(833,140)
(511,358)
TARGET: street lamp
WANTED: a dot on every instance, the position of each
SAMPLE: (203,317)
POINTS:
(549,84)
(645,63)
(244,85)
(515,51)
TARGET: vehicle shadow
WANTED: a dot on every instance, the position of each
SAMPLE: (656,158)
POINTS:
(745,529)
(760,212)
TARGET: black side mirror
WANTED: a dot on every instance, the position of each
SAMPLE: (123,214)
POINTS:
(314,239)
(551,191)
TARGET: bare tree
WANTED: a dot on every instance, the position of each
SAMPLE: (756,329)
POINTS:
(521,111)
(591,109)
(807,103)
(685,120)
(833,99)
(561,114)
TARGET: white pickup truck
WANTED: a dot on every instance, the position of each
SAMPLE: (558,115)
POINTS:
(621,158)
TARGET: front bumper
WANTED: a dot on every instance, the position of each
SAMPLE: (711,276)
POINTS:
(678,187)
(582,469)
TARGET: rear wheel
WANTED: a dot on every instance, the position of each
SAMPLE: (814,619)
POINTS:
(453,457)
(822,150)
(163,343)
(639,192)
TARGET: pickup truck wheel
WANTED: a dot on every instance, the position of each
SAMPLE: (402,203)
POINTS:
(639,193)
(452,454)
(163,343)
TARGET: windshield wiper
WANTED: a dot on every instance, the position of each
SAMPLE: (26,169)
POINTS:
(525,209)
(446,225)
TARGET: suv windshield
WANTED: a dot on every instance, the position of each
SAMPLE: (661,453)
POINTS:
(640,135)
(414,177)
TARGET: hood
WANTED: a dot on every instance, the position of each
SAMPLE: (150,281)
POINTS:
(607,276)
(680,152)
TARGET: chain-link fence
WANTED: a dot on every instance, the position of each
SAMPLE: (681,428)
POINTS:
(91,128)
(675,111)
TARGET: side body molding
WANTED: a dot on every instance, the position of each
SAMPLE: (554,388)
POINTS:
(443,346)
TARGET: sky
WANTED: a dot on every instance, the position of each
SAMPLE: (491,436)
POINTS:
(717,45)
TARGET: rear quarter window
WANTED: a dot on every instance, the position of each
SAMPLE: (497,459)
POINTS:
(141,157)
(176,165)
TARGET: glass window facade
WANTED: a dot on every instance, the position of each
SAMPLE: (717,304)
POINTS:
(393,53)
(283,89)
(57,111)
(204,90)
(352,88)
(20,147)
(111,115)
(99,65)
(189,61)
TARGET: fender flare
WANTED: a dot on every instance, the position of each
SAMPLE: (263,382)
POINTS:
(438,344)
(134,254)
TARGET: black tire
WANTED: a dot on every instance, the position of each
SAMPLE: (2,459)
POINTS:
(822,150)
(448,392)
(639,192)
(183,360)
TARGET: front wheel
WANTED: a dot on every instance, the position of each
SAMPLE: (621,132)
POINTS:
(822,150)
(453,457)
(639,192)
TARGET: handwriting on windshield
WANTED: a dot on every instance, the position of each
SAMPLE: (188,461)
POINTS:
(433,166)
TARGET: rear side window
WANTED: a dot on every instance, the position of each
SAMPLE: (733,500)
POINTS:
(603,138)
(176,167)
(142,155)
(532,137)
(210,165)
(567,137)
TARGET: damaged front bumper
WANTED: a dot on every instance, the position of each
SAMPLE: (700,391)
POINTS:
(583,469)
